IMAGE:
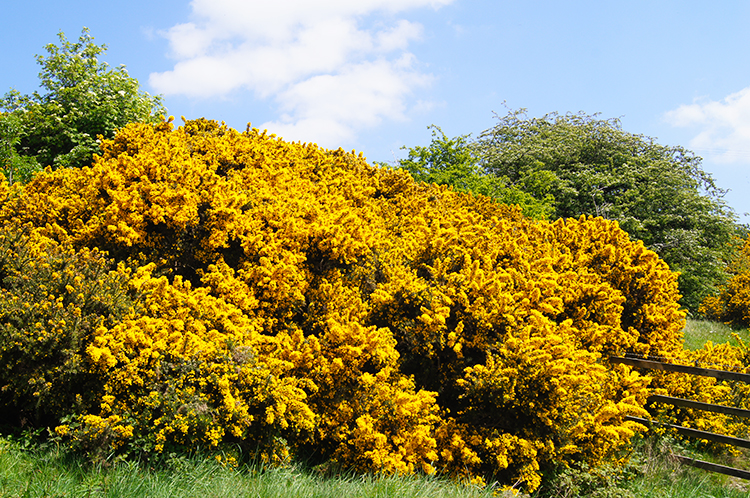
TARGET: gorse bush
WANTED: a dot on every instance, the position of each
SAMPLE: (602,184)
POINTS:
(297,302)
(52,299)
(731,304)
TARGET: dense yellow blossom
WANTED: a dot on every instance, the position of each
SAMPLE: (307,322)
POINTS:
(732,303)
(731,393)
(52,298)
(297,301)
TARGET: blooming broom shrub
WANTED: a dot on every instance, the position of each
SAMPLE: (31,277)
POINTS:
(732,303)
(189,371)
(52,300)
(296,301)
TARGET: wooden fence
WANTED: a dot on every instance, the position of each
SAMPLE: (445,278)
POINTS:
(688,403)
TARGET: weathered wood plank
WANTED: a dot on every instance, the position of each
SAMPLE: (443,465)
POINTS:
(714,467)
(687,431)
(698,405)
(671,367)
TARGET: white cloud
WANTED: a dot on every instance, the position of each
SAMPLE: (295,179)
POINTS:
(187,40)
(329,108)
(723,126)
(331,69)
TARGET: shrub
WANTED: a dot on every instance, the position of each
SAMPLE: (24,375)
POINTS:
(296,301)
(731,305)
(707,390)
(189,372)
(52,300)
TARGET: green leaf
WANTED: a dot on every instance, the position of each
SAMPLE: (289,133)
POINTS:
(84,98)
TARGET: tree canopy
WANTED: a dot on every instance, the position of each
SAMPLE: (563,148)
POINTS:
(454,162)
(15,166)
(658,194)
(82,98)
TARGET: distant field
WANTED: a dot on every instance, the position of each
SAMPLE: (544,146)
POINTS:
(699,332)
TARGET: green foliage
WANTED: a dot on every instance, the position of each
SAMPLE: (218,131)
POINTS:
(658,194)
(699,332)
(14,167)
(580,481)
(84,98)
(454,162)
(50,472)
(662,476)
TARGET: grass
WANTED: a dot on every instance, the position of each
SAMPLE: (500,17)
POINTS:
(651,472)
(49,472)
(699,332)
(662,476)
(686,482)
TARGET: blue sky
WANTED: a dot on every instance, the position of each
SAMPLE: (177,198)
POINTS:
(372,75)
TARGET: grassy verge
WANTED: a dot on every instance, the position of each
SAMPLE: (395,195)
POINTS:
(662,476)
(652,471)
(52,473)
(48,472)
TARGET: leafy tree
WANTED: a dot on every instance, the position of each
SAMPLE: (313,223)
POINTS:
(453,161)
(84,98)
(14,166)
(658,194)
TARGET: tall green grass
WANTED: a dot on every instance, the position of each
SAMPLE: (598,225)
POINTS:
(49,472)
(652,471)
(662,476)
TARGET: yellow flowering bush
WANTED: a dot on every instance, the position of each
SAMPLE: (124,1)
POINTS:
(52,299)
(369,415)
(190,370)
(731,304)
(298,302)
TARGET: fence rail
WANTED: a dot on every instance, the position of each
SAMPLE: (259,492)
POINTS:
(698,405)
(671,367)
(687,431)
(714,467)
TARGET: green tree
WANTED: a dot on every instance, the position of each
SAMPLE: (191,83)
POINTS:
(14,167)
(83,98)
(454,162)
(658,194)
